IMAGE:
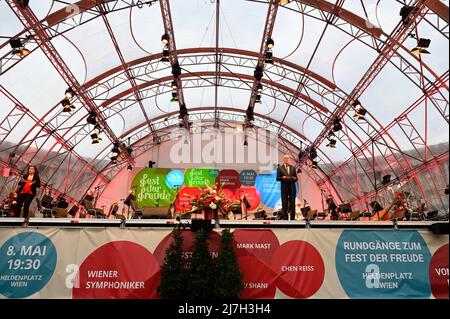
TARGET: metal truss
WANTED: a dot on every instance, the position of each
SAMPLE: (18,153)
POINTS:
(137,95)
(169,31)
(288,144)
(421,156)
(72,130)
(123,102)
(398,36)
(33,25)
(260,65)
(62,21)
(438,17)
(18,112)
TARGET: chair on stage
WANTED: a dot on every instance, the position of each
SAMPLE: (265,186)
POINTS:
(137,213)
(88,204)
(311,215)
(417,214)
(45,206)
(305,211)
(321,215)
(60,211)
(73,211)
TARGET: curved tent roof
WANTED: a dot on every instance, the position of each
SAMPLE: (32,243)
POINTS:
(327,55)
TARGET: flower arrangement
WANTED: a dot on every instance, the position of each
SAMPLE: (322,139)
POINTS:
(214,199)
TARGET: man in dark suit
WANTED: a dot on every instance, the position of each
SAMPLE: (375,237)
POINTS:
(287,175)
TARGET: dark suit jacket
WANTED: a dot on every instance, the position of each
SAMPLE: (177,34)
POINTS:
(36,183)
(288,184)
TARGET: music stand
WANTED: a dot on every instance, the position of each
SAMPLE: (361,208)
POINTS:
(247,206)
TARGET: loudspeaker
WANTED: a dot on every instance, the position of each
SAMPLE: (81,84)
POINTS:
(155,212)
(201,224)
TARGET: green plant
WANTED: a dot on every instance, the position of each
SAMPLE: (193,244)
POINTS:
(228,281)
(201,268)
(174,278)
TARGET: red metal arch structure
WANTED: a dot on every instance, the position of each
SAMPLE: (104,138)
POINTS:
(53,138)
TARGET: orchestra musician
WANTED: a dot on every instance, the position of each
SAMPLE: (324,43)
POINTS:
(332,208)
(113,210)
(9,203)
(399,206)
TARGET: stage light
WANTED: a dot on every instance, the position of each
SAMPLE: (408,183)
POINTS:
(18,48)
(258,98)
(269,57)
(129,150)
(360,114)
(332,143)
(92,118)
(115,151)
(97,129)
(422,46)
(67,107)
(150,164)
(95,138)
(313,154)
(239,129)
(174,85)
(356,104)
(245,143)
(405,11)
(386,179)
(249,113)
(157,140)
(360,111)
(166,54)
(69,93)
(165,39)
(259,88)
(270,43)
(130,168)
(23,3)
(337,125)
(259,73)
(114,160)
(283,2)
(174,98)
(314,164)
(183,111)
(176,70)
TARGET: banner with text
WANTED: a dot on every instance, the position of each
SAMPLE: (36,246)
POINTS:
(278,263)
(160,187)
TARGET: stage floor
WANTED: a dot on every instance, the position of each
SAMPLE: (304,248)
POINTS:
(170,223)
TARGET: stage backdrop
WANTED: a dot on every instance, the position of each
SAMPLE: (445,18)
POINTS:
(281,263)
(159,187)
